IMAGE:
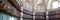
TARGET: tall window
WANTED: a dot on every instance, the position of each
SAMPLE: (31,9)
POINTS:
(6,17)
(0,15)
(55,4)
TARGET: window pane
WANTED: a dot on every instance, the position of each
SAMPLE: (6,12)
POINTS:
(59,4)
(4,17)
(11,18)
(8,17)
(0,16)
(55,4)
(15,18)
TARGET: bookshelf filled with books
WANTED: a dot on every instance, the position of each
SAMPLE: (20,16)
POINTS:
(10,9)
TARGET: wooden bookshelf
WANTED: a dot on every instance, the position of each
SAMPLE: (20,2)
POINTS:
(18,7)
(54,13)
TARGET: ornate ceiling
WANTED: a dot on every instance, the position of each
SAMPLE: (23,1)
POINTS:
(37,5)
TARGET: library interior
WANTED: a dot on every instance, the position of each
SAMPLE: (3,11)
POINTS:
(29,9)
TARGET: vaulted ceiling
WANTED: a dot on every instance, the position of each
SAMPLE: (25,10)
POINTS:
(40,6)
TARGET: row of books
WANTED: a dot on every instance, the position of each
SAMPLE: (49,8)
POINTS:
(10,8)
(54,13)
